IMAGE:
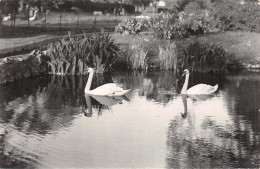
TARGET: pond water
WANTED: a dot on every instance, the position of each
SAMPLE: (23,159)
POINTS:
(50,122)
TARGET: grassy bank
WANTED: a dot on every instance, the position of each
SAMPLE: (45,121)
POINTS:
(243,45)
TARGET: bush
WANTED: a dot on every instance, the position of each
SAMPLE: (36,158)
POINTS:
(195,22)
(228,15)
(166,26)
(72,55)
(131,26)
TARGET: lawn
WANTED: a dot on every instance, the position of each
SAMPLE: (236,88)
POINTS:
(59,22)
(245,45)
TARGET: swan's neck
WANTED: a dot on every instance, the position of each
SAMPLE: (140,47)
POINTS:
(185,85)
(88,85)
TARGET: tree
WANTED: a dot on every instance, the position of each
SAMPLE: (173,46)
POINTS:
(141,2)
(181,4)
(10,7)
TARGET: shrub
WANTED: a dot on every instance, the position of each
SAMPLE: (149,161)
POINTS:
(137,57)
(72,55)
(168,57)
(166,26)
(194,22)
(172,26)
(131,26)
(228,15)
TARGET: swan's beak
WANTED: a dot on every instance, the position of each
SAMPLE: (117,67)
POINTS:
(184,73)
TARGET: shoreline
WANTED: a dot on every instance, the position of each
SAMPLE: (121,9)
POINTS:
(242,44)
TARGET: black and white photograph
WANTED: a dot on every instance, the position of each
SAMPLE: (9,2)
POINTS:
(129,84)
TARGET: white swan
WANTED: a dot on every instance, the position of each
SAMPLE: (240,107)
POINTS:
(197,89)
(33,17)
(110,89)
(7,18)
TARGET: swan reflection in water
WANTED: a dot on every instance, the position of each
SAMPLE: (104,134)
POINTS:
(200,97)
(103,100)
(184,100)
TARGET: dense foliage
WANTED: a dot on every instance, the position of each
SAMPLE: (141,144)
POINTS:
(132,26)
(197,17)
(166,25)
(9,7)
(203,57)
(230,15)
(72,55)
(225,14)
(193,55)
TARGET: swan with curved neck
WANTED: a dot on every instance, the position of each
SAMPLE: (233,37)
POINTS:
(109,89)
(197,89)
(33,17)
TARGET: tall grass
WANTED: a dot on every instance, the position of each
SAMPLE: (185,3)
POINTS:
(72,55)
(168,57)
(204,57)
(137,57)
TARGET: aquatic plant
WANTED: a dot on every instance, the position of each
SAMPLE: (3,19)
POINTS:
(203,57)
(72,55)
(137,57)
(102,51)
(168,56)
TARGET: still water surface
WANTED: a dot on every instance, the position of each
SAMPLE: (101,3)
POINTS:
(50,122)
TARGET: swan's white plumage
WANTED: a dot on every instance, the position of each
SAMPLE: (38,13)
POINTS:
(33,17)
(202,89)
(109,89)
(199,89)
(107,101)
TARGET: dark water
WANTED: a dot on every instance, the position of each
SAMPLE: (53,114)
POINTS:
(49,122)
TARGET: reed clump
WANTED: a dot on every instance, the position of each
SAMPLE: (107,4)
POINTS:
(137,57)
(72,55)
(168,56)
(204,57)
